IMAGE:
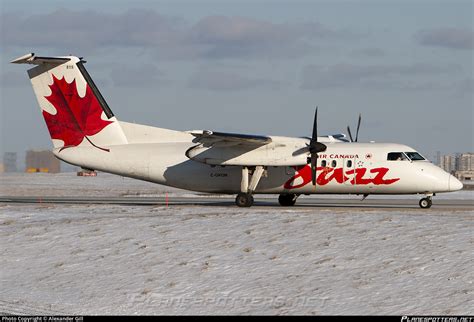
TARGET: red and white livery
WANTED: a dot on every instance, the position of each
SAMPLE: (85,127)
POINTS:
(86,133)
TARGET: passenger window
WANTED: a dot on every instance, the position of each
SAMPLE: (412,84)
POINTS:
(396,156)
(333,163)
(349,163)
(323,163)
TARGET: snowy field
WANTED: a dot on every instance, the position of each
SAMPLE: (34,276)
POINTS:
(112,259)
(68,184)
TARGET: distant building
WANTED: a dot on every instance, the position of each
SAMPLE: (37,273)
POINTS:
(465,166)
(465,162)
(461,165)
(464,175)
(42,161)
(9,162)
(447,163)
(2,168)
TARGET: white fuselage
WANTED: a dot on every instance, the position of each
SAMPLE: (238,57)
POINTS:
(160,156)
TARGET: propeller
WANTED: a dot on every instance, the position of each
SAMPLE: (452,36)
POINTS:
(314,148)
(357,131)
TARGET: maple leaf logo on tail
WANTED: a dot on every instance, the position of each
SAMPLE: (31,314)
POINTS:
(76,117)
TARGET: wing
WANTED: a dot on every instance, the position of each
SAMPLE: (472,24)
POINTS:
(209,138)
(219,148)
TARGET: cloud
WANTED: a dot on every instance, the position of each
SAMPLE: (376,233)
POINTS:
(146,75)
(89,29)
(454,38)
(240,36)
(465,85)
(164,36)
(229,81)
(315,77)
(369,52)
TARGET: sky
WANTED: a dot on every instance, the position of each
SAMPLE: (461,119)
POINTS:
(257,67)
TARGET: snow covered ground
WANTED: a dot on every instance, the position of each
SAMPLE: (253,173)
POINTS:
(68,184)
(112,259)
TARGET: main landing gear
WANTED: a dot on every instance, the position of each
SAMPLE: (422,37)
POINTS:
(245,198)
(425,203)
(287,199)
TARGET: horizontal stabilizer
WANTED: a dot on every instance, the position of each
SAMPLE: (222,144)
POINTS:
(35,60)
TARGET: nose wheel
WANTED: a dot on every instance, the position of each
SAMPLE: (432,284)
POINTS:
(425,203)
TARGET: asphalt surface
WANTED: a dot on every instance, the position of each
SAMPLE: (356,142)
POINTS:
(442,204)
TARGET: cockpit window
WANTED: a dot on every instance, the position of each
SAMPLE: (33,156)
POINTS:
(415,156)
(396,156)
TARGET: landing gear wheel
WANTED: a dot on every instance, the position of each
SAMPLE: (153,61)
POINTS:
(287,200)
(244,200)
(425,203)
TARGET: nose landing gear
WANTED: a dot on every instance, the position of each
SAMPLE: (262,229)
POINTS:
(425,203)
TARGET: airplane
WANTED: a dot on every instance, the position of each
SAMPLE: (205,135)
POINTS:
(86,133)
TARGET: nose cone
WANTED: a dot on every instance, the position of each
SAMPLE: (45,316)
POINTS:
(454,184)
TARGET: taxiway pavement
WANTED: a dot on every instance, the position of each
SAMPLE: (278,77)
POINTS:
(443,204)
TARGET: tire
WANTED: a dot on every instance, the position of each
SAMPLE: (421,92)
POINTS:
(244,200)
(287,200)
(425,203)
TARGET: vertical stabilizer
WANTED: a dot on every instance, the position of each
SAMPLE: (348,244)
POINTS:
(73,108)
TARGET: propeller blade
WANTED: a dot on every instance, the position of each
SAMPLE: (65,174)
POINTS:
(314,161)
(314,148)
(315,126)
(301,151)
(350,134)
(358,126)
